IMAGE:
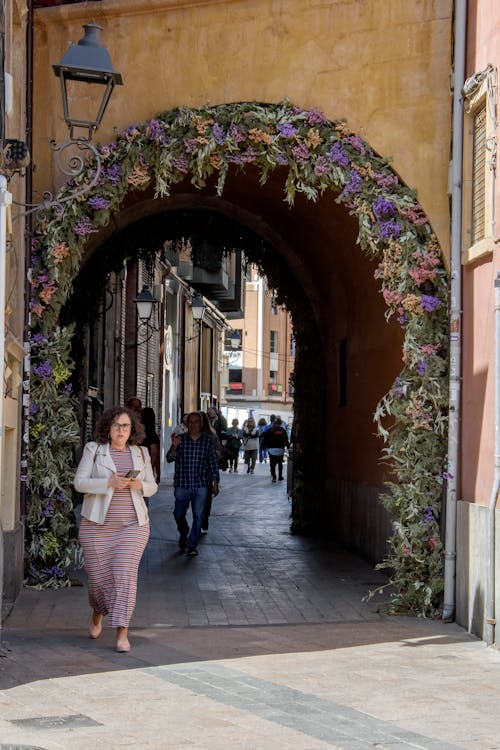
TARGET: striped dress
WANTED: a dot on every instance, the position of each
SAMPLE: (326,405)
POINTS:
(113,551)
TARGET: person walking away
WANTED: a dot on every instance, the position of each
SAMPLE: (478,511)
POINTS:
(233,437)
(276,440)
(114,474)
(251,444)
(262,425)
(152,439)
(195,468)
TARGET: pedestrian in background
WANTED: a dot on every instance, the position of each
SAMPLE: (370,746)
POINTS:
(196,468)
(262,425)
(152,439)
(251,444)
(233,437)
(115,474)
(276,440)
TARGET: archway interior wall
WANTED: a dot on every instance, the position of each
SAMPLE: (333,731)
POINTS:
(395,56)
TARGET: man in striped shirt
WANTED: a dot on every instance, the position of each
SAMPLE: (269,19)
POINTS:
(196,467)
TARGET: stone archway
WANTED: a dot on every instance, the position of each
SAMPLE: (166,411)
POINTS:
(315,156)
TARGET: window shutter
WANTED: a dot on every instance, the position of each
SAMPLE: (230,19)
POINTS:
(479,174)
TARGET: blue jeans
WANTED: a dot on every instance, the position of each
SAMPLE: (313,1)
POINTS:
(197,498)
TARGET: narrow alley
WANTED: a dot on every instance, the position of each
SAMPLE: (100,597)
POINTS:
(262,641)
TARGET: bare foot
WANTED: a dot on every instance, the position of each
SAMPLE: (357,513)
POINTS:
(95,624)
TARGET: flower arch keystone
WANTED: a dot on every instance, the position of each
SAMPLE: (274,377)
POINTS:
(317,155)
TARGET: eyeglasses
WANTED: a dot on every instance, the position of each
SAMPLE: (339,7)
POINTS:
(125,426)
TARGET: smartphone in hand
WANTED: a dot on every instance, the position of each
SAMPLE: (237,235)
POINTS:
(132,474)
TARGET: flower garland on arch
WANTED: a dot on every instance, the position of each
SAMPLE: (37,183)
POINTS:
(317,155)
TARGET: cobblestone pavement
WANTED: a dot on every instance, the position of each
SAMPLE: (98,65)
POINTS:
(262,641)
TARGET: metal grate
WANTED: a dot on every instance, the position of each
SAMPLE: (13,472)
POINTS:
(479,174)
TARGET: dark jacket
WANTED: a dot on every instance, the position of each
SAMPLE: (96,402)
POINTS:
(276,437)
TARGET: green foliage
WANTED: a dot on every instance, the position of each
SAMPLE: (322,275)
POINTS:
(314,155)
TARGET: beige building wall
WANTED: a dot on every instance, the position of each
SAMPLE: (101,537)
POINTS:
(383,67)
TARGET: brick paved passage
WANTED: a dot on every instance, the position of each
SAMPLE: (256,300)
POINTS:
(261,642)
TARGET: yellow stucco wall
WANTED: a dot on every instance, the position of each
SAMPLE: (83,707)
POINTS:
(382,66)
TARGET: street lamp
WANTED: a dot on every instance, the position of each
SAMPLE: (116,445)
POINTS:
(87,62)
(235,339)
(198,307)
(145,302)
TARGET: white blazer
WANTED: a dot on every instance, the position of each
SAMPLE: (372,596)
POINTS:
(92,479)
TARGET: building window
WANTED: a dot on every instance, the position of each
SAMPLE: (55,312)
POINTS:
(274,309)
(479,150)
(273,376)
(235,375)
(273,342)
(292,345)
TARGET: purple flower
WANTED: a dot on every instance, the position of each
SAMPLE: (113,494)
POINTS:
(48,511)
(322,166)
(55,571)
(383,207)
(447,475)
(44,370)
(388,229)
(421,367)
(429,516)
(84,226)
(157,132)
(235,134)
(301,153)
(400,388)
(356,142)
(338,155)
(249,155)
(68,388)
(42,278)
(429,303)
(219,134)
(191,145)
(38,338)
(113,173)
(281,159)
(287,130)
(181,163)
(97,202)
(315,117)
(34,408)
(385,181)
(402,319)
(354,183)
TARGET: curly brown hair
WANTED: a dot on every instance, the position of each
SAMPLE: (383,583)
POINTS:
(137,433)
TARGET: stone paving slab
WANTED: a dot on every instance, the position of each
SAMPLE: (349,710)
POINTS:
(263,641)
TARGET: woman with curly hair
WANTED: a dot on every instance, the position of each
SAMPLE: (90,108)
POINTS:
(114,473)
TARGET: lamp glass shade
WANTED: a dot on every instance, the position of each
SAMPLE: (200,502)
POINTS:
(144,302)
(235,339)
(198,307)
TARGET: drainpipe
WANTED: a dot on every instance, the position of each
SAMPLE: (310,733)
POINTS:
(455,312)
(490,585)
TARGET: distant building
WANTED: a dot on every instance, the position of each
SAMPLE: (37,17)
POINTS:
(259,369)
